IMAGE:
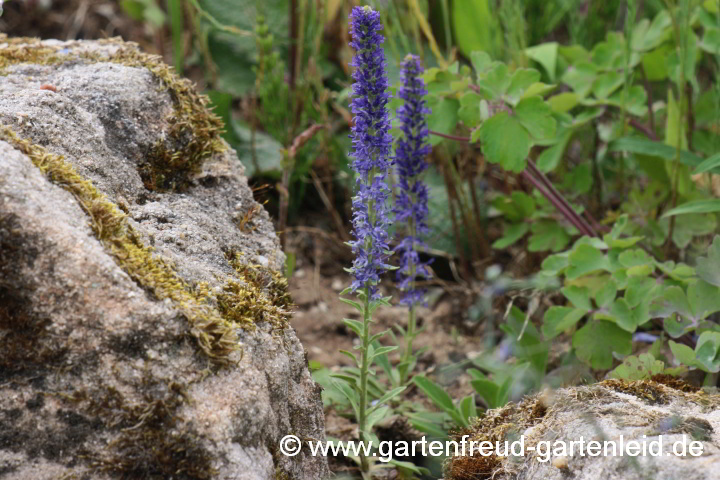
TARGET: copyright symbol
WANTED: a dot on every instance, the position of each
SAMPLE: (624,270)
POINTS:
(290,445)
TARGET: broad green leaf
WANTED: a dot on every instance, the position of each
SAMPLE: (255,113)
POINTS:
(607,83)
(695,206)
(655,63)
(673,300)
(622,315)
(443,117)
(556,263)
(558,319)
(595,343)
(475,27)
(585,259)
(711,41)
(547,235)
(469,112)
(708,268)
(606,294)
(550,158)
(494,134)
(676,326)
(481,62)
(704,299)
(535,115)
(496,82)
(436,393)
(706,351)
(546,55)
(658,31)
(520,81)
(512,234)
(683,353)
(488,390)
(641,367)
(268,151)
(638,290)
(540,89)
(580,77)
(578,296)
(563,102)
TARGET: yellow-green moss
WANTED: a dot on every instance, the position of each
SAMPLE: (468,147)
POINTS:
(194,133)
(261,296)
(215,335)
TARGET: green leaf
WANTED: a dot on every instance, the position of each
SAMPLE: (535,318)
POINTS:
(550,158)
(355,326)
(607,83)
(475,27)
(547,235)
(387,397)
(578,296)
(535,115)
(696,206)
(708,268)
(546,55)
(469,112)
(655,149)
(558,319)
(711,41)
(606,294)
(622,315)
(481,62)
(641,367)
(494,135)
(704,299)
(638,290)
(580,77)
(512,234)
(595,343)
(585,259)
(268,151)
(436,393)
(708,164)
(488,390)
(683,353)
(706,351)
(443,117)
(563,102)
(556,263)
(520,81)
(496,82)
(467,408)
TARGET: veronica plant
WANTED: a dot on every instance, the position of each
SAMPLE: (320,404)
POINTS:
(371,161)
(411,203)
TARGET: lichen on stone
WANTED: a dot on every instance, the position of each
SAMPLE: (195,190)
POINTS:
(215,335)
(194,133)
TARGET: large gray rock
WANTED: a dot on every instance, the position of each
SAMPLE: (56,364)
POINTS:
(657,414)
(143,325)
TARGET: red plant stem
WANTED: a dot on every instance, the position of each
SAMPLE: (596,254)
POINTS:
(567,214)
(544,186)
(588,229)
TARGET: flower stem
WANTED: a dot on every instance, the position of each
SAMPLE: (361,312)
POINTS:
(364,371)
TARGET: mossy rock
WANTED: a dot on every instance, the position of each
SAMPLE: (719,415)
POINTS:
(636,411)
(142,331)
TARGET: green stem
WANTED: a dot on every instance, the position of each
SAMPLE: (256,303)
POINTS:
(364,371)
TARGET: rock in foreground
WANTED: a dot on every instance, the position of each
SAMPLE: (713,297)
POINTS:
(143,322)
(637,411)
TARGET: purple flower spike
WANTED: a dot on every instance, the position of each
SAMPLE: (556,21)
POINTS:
(372,145)
(411,204)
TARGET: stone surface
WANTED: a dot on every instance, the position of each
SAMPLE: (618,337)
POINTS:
(100,378)
(607,411)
